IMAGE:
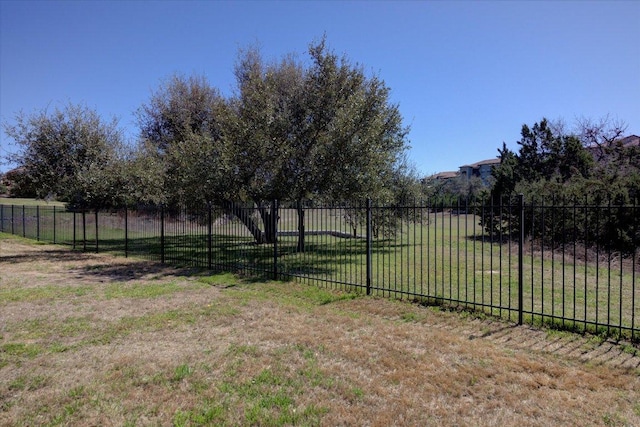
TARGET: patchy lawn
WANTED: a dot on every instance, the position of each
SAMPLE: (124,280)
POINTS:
(90,339)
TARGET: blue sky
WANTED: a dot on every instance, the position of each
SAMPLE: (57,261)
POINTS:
(466,75)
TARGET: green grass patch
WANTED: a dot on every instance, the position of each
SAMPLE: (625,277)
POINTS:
(29,202)
(270,397)
(181,372)
(56,333)
(28,383)
(20,350)
(48,292)
(140,290)
(163,320)
(207,414)
(220,279)
(17,353)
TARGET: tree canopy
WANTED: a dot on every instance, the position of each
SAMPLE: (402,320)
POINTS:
(289,132)
(70,154)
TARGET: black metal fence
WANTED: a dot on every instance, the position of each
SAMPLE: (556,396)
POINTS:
(570,266)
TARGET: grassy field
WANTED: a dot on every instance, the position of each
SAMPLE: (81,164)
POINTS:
(446,258)
(29,202)
(92,339)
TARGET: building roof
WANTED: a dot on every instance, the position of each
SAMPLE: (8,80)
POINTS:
(493,161)
(627,141)
(445,175)
(630,141)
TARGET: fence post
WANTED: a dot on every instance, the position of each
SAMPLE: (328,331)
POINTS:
(520,258)
(96,218)
(126,232)
(1,217)
(74,229)
(13,220)
(209,235)
(162,234)
(54,224)
(37,223)
(84,230)
(274,224)
(24,226)
(369,244)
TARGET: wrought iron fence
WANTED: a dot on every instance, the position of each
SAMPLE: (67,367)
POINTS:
(564,265)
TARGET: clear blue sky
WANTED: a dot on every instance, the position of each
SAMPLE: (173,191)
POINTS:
(466,75)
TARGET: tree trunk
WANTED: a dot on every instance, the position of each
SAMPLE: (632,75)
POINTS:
(244,215)
(269,223)
(300,210)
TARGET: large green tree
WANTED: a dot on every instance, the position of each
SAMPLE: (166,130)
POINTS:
(70,154)
(288,132)
(184,128)
(326,131)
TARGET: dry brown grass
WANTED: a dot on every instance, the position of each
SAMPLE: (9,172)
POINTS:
(94,340)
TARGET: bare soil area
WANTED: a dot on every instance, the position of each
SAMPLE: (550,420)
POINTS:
(91,339)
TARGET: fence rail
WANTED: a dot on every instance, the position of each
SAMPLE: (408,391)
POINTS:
(563,265)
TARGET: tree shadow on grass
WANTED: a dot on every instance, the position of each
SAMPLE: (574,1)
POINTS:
(188,255)
(136,270)
(50,255)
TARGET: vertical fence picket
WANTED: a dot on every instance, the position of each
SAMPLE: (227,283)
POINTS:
(84,231)
(54,224)
(521,259)
(162,239)
(74,230)
(96,226)
(274,233)
(209,236)
(586,264)
(369,245)
(126,232)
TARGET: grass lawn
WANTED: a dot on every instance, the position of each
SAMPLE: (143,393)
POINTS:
(92,339)
(28,202)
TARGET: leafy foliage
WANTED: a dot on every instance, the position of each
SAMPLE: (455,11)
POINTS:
(181,131)
(70,154)
(289,133)
(555,167)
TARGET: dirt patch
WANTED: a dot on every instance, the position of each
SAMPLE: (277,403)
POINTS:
(89,339)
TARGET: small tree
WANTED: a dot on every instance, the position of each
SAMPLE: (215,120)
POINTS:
(600,135)
(553,166)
